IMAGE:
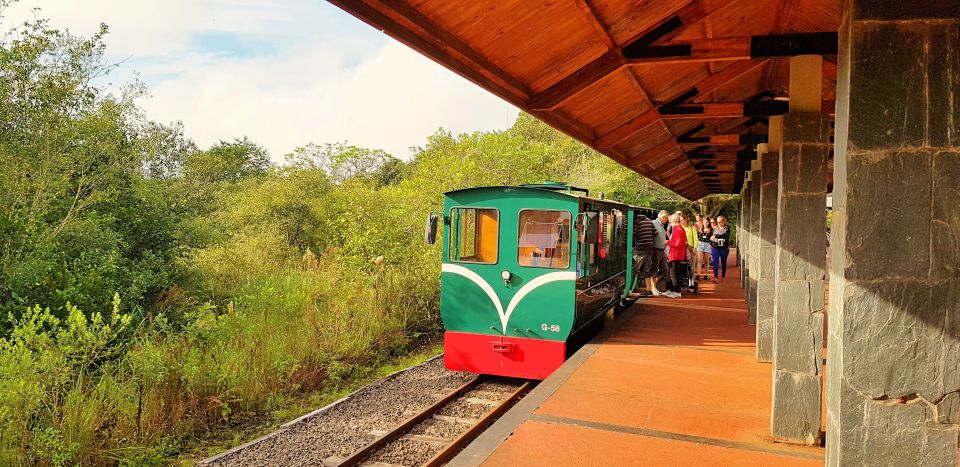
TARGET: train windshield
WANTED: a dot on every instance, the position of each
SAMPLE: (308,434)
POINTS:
(475,233)
(544,239)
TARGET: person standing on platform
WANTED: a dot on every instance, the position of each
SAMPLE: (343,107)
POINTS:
(658,267)
(720,249)
(691,237)
(703,251)
(643,247)
(677,255)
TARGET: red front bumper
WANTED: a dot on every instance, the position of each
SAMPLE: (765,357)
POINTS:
(516,357)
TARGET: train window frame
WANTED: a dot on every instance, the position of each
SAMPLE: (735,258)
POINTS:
(569,238)
(455,236)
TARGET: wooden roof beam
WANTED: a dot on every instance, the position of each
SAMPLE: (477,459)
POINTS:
(764,108)
(712,157)
(651,116)
(723,140)
(744,155)
(715,165)
(734,48)
(594,21)
(613,59)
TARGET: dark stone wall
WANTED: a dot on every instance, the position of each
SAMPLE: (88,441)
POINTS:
(893,382)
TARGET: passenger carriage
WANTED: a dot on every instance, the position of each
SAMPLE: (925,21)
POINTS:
(528,272)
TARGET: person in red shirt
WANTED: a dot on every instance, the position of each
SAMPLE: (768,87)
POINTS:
(677,255)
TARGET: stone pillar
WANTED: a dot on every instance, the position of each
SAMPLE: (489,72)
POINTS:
(894,337)
(769,165)
(754,246)
(743,241)
(800,259)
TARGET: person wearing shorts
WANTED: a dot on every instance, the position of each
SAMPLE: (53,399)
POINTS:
(702,269)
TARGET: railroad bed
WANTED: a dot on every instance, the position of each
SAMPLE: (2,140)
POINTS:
(405,419)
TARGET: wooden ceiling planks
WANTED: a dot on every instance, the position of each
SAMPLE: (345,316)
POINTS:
(565,62)
(626,20)
(538,42)
(594,107)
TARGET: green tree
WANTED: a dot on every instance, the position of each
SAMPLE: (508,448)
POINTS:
(227,162)
(342,162)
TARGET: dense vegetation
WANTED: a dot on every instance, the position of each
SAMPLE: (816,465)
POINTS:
(151,290)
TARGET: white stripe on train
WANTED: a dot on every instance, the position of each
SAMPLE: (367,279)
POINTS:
(523,292)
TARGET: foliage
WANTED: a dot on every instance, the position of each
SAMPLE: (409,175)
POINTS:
(243,282)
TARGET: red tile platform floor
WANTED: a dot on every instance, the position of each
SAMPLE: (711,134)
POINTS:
(673,382)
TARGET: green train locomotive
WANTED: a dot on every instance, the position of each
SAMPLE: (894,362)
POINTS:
(528,272)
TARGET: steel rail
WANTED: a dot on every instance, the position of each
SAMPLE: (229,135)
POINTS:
(358,456)
(461,441)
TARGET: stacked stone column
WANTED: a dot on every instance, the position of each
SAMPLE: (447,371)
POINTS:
(800,262)
(894,339)
(769,167)
(743,236)
(753,264)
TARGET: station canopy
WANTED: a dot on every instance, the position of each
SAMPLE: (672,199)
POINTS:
(678,90)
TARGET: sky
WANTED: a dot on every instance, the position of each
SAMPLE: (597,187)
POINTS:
(282,72)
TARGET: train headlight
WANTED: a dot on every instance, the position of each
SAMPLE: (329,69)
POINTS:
(505,275)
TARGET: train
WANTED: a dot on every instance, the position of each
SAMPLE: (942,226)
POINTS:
(528,273)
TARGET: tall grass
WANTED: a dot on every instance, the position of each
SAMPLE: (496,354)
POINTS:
(110,390)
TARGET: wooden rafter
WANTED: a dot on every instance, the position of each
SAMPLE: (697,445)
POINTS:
(651,116)
(613,59)
(670,145)
(764,108)
(735,48)
(730,139)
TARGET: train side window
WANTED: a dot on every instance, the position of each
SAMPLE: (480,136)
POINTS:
(475,235)
(544,239)
(589,234)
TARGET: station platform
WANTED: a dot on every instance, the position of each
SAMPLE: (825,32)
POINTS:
(672,382)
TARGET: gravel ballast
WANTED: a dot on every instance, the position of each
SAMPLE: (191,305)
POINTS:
(345,427)
(336,431)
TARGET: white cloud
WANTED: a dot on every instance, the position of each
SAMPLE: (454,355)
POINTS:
(327,77)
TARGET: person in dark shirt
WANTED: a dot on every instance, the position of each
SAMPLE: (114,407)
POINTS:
(720,248)
(704,232)
(642,245)
(658,267)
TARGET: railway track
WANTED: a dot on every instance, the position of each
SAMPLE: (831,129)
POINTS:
(433,435)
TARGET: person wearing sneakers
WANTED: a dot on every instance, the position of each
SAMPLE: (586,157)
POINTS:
(677,255)
(658,265)
(702,269)
(643,248)
(720,248)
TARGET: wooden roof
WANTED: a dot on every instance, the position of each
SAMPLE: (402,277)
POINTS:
(678,90)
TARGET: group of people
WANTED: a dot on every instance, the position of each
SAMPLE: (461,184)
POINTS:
(667,246)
